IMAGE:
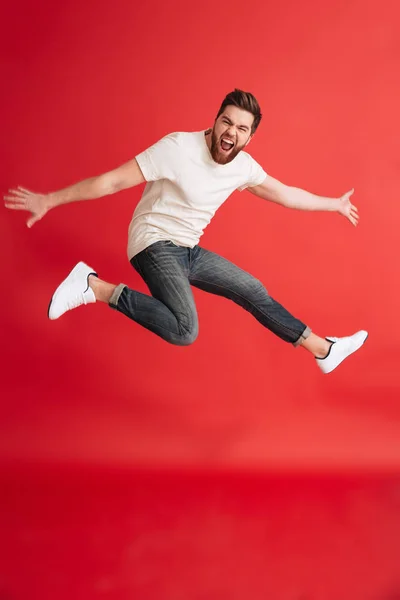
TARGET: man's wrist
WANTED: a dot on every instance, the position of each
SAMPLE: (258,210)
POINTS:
(51,200)
(337,205)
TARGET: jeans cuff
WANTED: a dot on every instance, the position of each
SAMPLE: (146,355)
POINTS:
(113,302)
(303,337)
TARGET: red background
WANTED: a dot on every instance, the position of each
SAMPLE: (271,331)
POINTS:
(86,86)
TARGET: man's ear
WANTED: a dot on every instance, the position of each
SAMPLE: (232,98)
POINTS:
(249,140)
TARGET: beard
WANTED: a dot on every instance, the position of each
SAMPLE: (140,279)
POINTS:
(219,156)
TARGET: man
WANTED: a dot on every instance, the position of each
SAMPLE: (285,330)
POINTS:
(189,176)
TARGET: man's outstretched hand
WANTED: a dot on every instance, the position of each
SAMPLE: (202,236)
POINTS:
(347,209)
(22,199)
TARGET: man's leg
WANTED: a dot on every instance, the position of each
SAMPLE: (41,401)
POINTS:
(216,275)
(212,273)
(170,312)
(102,289)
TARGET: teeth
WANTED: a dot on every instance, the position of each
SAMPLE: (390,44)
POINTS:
(227,141)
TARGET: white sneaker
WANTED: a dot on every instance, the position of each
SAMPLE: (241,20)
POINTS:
(72,292)
(340,349)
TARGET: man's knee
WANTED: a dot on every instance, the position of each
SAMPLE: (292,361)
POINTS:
(187,340)
(188,335)
(256,289)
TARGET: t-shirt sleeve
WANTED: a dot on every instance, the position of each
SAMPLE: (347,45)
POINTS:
(160,160)
(255,174)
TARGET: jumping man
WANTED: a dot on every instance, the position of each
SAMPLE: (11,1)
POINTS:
(188,177)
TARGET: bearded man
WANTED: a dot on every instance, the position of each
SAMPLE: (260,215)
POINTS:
(188,176)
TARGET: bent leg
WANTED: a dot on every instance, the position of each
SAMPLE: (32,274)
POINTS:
(170,312)
(212,273)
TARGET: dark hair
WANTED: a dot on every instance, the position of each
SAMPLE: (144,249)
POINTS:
(243,100)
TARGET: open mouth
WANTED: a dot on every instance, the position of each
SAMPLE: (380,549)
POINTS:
(227,144)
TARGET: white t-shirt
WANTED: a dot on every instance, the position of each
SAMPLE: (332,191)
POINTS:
(185,188)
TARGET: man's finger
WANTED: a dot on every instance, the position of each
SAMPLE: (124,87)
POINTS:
(347,195)
(17,193)
(15,199)
(25,190)
(32,221)
(15,206)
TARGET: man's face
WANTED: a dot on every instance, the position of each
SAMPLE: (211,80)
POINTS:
(230,134)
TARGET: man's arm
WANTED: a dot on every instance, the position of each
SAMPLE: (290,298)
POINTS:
(275,191)
(126,176)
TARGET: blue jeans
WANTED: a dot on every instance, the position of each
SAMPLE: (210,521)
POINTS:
(170,312)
